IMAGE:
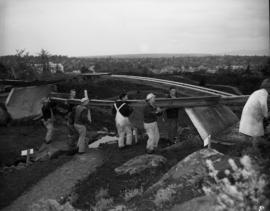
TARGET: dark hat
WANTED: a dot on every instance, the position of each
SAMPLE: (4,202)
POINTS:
(122,95)
(265,84)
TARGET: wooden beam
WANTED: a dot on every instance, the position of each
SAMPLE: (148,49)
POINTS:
(22,83)
(188,89)
(169,103)
(235,100)
(157,84)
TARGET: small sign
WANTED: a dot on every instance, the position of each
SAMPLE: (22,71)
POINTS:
(24,152)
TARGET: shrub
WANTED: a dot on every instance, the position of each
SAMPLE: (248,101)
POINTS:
(165,195)
(102,193)
(129,194)
(242,189)
(104,202)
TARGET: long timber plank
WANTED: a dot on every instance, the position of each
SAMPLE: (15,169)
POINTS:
(170,103)
(184,87)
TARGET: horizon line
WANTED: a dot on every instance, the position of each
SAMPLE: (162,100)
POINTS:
(154,54)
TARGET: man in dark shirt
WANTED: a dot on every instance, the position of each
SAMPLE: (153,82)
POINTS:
(172,118)
(48,118)
(122,111)
(70,116)
(151,112)
(80,122)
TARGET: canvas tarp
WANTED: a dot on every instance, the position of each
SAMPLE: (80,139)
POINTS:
(211,120)
(25,102)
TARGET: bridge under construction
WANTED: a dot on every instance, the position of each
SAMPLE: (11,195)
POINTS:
(209,110)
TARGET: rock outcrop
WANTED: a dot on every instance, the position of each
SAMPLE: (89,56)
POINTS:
(182,182)
(52,150)
(103,140)
(52,205)
(140,163)
(203,203)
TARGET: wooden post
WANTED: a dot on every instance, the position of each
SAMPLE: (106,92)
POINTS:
(85,93)
(27,153)
(209,143)
(28,157)
(135,135)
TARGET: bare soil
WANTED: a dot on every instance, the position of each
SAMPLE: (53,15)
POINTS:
(15,183)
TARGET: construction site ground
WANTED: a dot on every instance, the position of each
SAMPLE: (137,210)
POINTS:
(21,186)
(21,135)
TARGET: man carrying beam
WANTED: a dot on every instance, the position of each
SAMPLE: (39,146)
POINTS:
(70,118)
(48,118)
(254,113)
(80,122)
(172,118)
(122,111)
(151,112)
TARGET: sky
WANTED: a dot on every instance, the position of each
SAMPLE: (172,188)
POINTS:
(113,27)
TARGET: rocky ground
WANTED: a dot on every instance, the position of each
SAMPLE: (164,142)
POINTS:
(118,185)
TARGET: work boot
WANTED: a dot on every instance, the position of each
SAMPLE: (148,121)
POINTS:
(121,148)
(73,151)
(149,151)
(48,142)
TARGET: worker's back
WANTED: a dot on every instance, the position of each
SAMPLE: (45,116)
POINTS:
(79,119)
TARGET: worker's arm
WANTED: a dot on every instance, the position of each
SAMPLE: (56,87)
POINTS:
(39,117)
(264,107)
(160,111)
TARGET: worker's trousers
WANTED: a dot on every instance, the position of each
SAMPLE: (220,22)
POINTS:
(172,128)
(82,134)
(254,141)
(124,131)
(153,135)
(49,126)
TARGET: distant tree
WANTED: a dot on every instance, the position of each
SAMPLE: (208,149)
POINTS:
(23,68)
(84,69)
(57,68)
(202,81)
(44,60)
(202,71)
(4,72)
(98,67)
(266,69)
(247,71)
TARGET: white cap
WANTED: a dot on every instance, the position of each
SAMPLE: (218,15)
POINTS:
(85,94)
(84,99)
(149,96)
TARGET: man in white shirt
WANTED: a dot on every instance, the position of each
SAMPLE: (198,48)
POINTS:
(254,112)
